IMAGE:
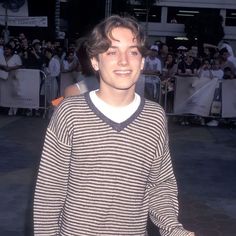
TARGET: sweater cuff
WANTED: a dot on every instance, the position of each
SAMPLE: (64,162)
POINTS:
(181,232)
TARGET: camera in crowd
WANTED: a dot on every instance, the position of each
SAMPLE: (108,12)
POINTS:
(30,49)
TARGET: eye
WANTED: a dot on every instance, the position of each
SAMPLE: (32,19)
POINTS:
(111,52)
(134,52)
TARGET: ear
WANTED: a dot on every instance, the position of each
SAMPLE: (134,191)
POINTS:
(94,63)
(142,63)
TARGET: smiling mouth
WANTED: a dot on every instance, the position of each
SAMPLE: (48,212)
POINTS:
(122,72)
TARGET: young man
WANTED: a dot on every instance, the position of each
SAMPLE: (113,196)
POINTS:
(105,163)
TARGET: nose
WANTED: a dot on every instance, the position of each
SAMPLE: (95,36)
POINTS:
(123,59)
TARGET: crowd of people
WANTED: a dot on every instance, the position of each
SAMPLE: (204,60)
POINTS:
(50,57)
(162,64)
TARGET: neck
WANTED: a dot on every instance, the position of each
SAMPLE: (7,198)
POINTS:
(7,57)
(116,98)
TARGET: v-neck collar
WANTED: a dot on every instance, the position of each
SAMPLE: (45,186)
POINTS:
(114,125)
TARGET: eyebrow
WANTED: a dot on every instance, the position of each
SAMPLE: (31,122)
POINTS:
(134,46)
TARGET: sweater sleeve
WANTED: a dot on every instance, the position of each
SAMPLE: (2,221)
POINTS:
(52,177)
(163,191)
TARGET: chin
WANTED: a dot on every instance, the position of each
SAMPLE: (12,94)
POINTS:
(126,87)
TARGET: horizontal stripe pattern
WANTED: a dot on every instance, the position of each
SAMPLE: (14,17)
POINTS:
(101,178)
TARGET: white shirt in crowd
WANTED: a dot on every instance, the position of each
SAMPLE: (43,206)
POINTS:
(211,73)
(54,66)
(219,73)
(15,60)
(152,64)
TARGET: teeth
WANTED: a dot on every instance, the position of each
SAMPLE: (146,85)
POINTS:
(123,72)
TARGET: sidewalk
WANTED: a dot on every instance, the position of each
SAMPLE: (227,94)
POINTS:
(204,161)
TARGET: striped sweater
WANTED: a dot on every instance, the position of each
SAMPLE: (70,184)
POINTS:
(101,178)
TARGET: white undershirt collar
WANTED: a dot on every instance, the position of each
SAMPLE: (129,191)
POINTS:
(116,114)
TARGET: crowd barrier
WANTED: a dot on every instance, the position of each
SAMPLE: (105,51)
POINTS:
(192,95)
(22,89)
(197,96)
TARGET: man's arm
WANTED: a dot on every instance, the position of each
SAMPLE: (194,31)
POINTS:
(163,192)
(52,178)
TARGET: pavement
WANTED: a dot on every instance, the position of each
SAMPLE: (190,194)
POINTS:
(204,160)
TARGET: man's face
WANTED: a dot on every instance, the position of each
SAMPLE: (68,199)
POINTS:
(169,59)
(119,67)
(21,36)
(165,49)
(7,51)
(216,65)
(225,56)
(207,65)
(153,54)
(48,54)
(189,59)
(70,56)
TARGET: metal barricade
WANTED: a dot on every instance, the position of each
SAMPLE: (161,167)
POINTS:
(168,95)
(44,107)
(23,89)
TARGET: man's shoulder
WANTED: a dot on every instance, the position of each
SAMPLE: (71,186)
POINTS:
(153,108)
(72,103)
(72,108)
(74,100)
(153,116)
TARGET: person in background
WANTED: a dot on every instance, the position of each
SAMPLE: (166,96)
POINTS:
(70,63)
(106,164)
(88,80)
(211,71)
(1,45)
(9,62)
(38,53)
(170,67)
(216,70)
(226,44)
(152,70)
(168,81)
(69,70)
(205,70)
(60,53)
(12,43)
(32,57)
(21,36)
(52,71)
(228,73)
(225,62)
(163,51)
(24,43)
(187,66)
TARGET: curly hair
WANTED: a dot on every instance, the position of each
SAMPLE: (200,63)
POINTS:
(99,39)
